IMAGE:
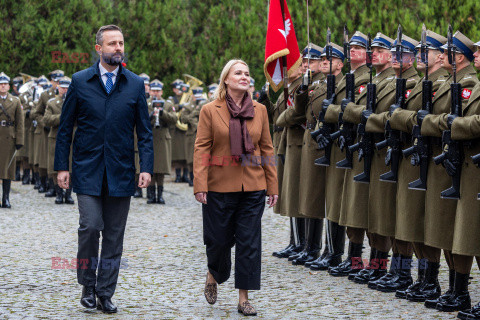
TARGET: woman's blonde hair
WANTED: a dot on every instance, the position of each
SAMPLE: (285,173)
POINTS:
(221,91)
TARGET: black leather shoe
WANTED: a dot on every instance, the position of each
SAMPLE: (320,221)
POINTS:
(51,192)
(329,261)
(151,195)
(308,257)
(6,184)
(60,195)
(473,313)
(178,175)
(68,196)
(88,297)
(43,185)
(460,299)
(430,288)
(138,192)
(105,304)
(432,303)
(26,177)
(159,197)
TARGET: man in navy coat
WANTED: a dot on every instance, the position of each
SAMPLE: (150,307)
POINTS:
(107,103)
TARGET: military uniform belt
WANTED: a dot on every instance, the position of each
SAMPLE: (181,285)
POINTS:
(5,123)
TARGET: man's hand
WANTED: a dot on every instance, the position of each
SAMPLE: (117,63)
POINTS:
(144,179)
(201,197)
(272,200)
(63,179)
(327,102)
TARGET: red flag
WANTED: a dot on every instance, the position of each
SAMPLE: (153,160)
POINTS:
(281,41)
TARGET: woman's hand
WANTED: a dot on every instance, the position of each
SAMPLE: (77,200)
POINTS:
(201,197)
(272,200)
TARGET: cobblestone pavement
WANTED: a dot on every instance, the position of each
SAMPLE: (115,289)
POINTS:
(166,269)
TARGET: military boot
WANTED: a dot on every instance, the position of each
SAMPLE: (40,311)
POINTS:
(402,294)
(430,288)
(59,192)
(34,180)
(17,173)
(178,174)
(336,233)
(473,313)
(354,256)
(460,299)
(160,195)
(68,196)
(138,192)
(190,183)
(43,185)
(386,276)
(432,303)
(287,251)
(6,193)
(50,189)
(26,177)
(185,177)
(315,263)
(363,276)
(301,239)
(402,279)
(151,195)
(314,242)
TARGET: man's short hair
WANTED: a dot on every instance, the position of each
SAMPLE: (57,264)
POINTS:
(110,27)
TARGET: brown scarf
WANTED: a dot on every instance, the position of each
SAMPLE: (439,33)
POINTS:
(240,141)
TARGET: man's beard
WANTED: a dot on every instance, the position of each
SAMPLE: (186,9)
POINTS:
(113,59)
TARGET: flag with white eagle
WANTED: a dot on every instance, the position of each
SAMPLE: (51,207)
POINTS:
(281,41)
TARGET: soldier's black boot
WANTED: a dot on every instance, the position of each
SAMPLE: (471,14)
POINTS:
(6,193)
(34,180)
(432,303)
(68,196)
(402,294)
(337,240)
(185,177)
(387,276)
(352,264)
(301,239)
(363,276)
(178,173)
(17,173)
(43,185)
(314,242)
(402,279)
(190,183)
(473,313)
(287,251)
(460,299)
(50,189)
(138,192)
(151,195)
(314,264)
(59,192)
(160,195)
(26,177)
(430,288)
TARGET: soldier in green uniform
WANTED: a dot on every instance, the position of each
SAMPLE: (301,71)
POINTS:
(382,195)
(178,136)
(11,135)
(294,122)
(440,214)
(410,206)
(251,89)
(51,119)
(335,177)
(211,91)
(41,138)
(467,218)
(22,159)
(162,114)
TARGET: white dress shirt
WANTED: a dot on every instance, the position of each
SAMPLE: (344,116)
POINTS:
(104,76)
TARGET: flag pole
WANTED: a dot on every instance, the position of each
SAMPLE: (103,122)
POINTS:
(284,60)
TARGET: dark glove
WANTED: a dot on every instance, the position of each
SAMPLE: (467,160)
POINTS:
(46,129)
(415,159)
(18,146)
(450,119)
(365,115)
(323,140)
(327,102)
(344,104)
(27,114)
(450,167)
(421,114)
(388,156)
(393,107)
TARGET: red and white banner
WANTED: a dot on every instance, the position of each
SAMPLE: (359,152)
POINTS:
(281,41)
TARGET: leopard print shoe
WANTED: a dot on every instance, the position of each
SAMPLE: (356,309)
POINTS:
(246,309)
(210,292)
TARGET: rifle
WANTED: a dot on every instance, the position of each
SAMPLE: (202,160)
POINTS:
(392,137)
(365,144)
(346,132)
(421,145)
(452,156)
(326,128)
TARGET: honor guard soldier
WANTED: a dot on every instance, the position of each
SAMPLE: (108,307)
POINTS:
(16,84)
(310,229)
(22,154)
(41,138)
(162,114)
(251,89)
(51,119)
(179,160)
(409,229)
(440,214)
(11,135)
(211,91)
(146,82)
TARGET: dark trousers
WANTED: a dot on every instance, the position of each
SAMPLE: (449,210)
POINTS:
(234,218)
(107,215)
